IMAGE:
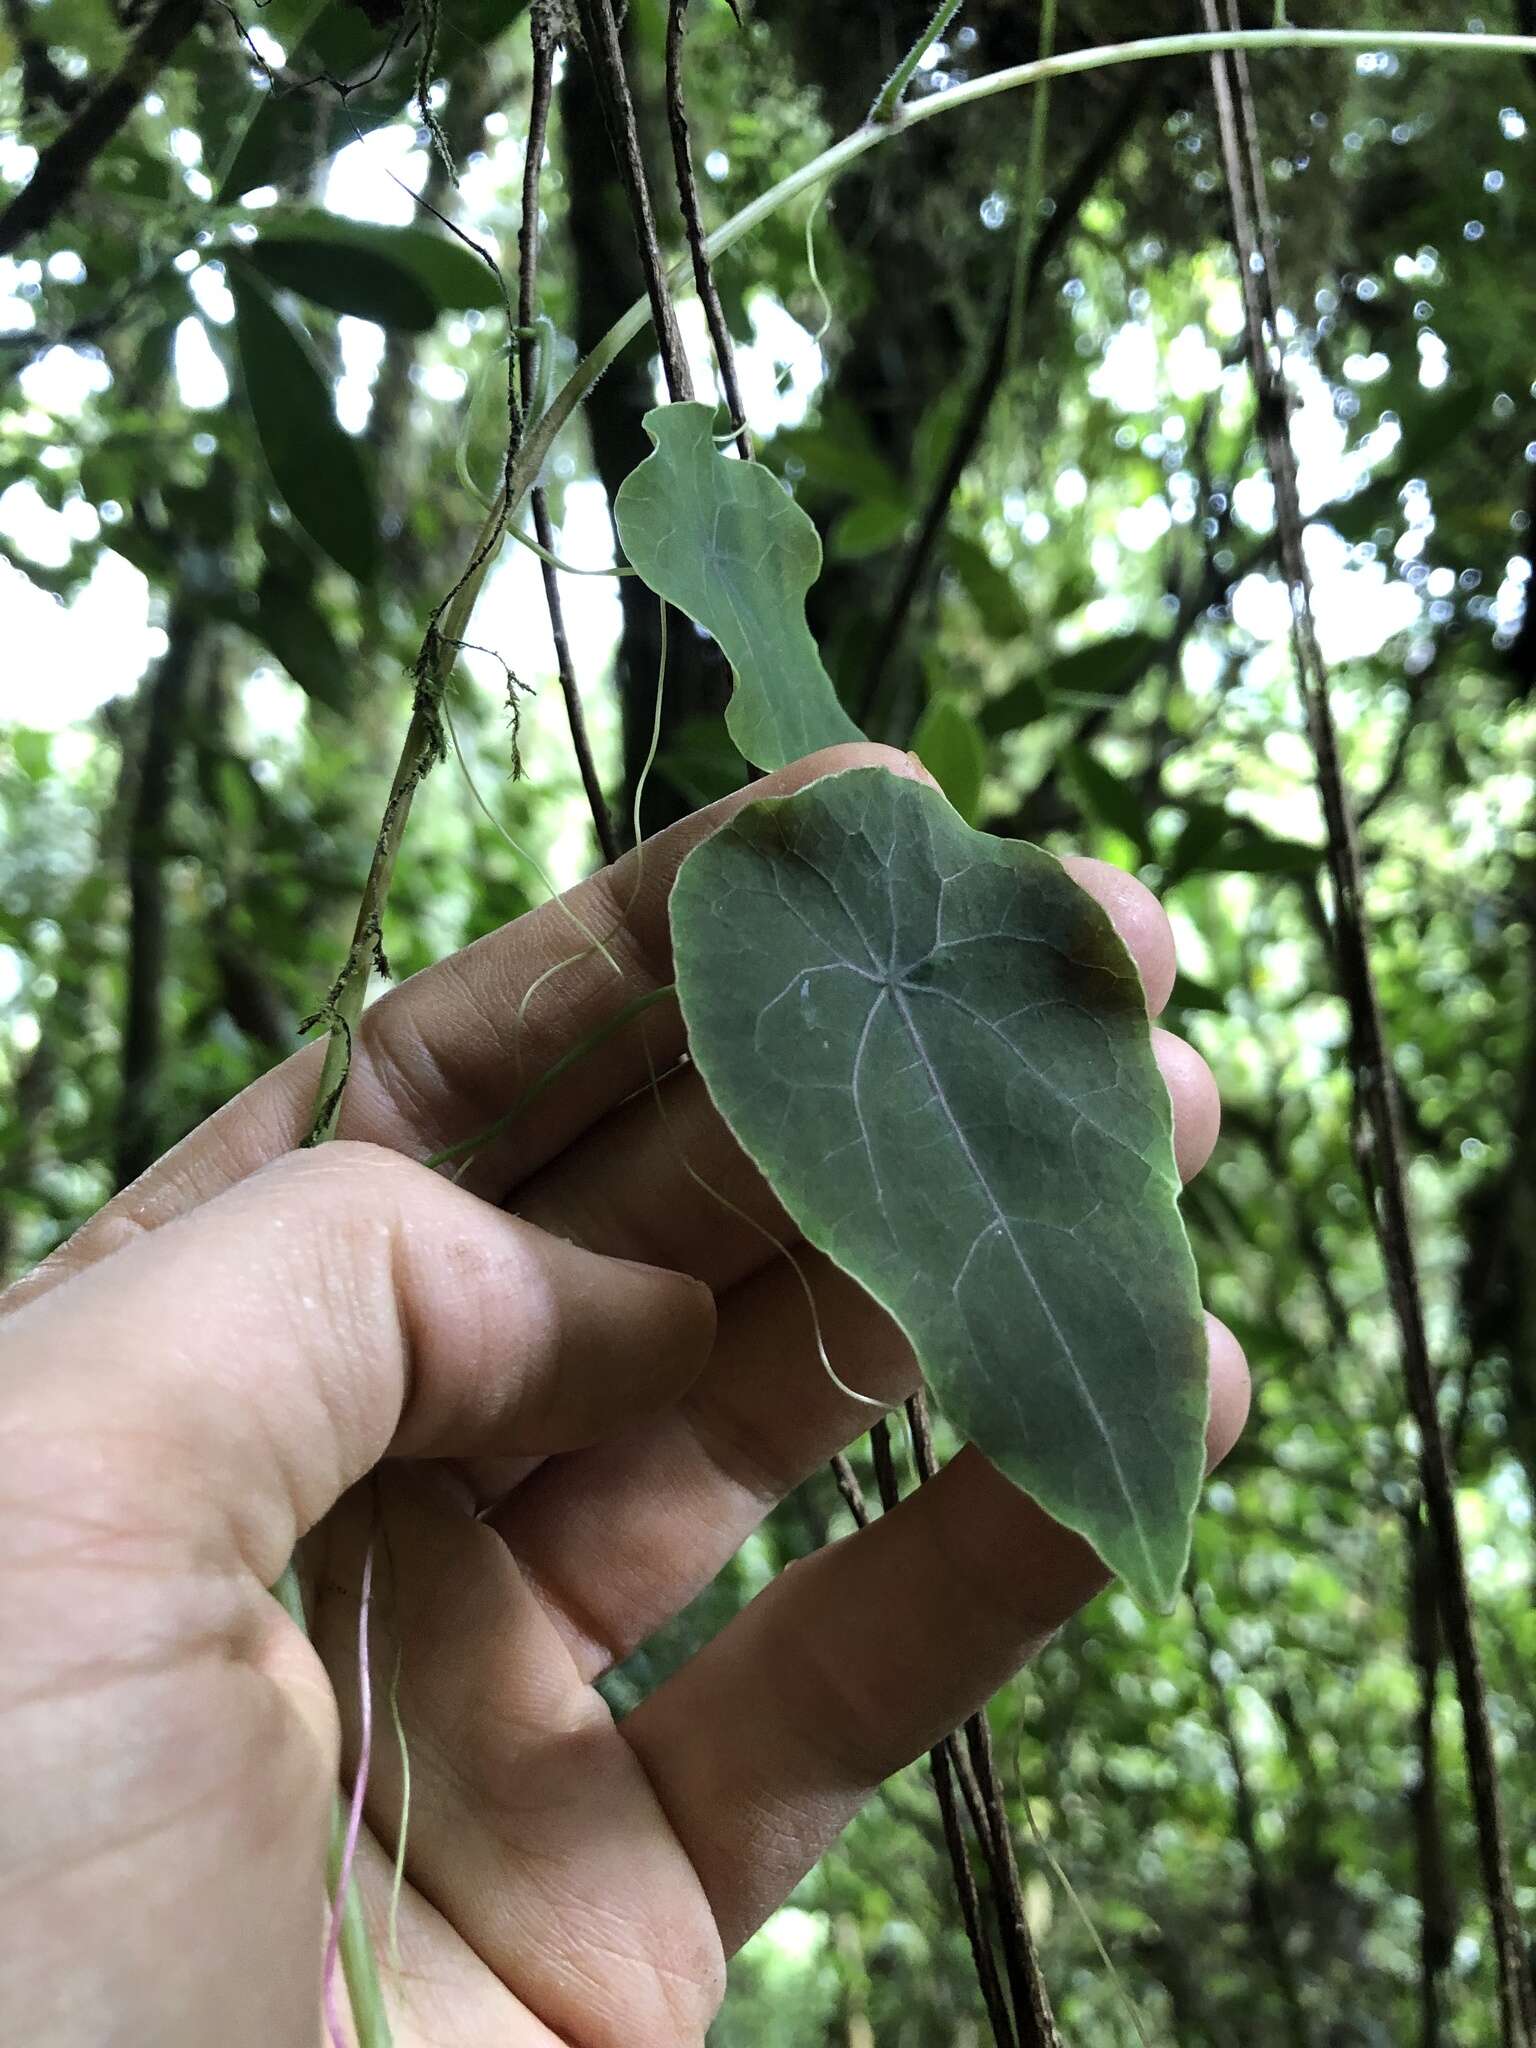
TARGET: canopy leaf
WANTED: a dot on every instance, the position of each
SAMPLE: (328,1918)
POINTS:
(398,276)
(319,470)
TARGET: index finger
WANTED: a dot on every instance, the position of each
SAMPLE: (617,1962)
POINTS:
(443,1056)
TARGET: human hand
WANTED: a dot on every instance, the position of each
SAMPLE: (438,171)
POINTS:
(573,1445)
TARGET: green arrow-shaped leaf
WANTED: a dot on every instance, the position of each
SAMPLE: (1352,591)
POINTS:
(937,1050)
(723,541)
(318,468)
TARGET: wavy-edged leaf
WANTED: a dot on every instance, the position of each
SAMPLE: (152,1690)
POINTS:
(937,1050)
(951,749)
(724,542)
(317,467)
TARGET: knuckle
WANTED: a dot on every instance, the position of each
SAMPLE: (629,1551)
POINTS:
(341,1207)
(400,1067)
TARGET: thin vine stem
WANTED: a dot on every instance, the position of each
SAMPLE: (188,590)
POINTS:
(601,32)
(1033,2017)
(359,1969)
(945,1767)
(423,739)
(693,228)
(888,102)
(528,244)
(1376,1105)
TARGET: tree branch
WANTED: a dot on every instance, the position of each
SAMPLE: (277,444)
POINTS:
(136,1142)
(66,162)
(1437,1905)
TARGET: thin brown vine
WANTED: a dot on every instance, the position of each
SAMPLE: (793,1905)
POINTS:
(693,228)
(1377,1109)
(545,37)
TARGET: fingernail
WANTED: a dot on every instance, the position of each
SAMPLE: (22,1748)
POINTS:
(916,772)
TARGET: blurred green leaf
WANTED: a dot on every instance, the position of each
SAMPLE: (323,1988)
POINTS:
(1109,798)
(319,470)
(293,626)
(866,529)
(237,795)
(935,433)
(1189,994)
(398,276)
(252,147)
(347,280)
(33,754)
(1105,668)
(1019,705)
(153,361)
(337,42)
(703,761)
(951,749)
(839,454)
(1435,426)
(1215,842)
(989,588)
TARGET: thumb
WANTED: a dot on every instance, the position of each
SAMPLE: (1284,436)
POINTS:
(224,1379)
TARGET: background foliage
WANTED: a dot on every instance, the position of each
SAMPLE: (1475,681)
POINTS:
(249,395)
